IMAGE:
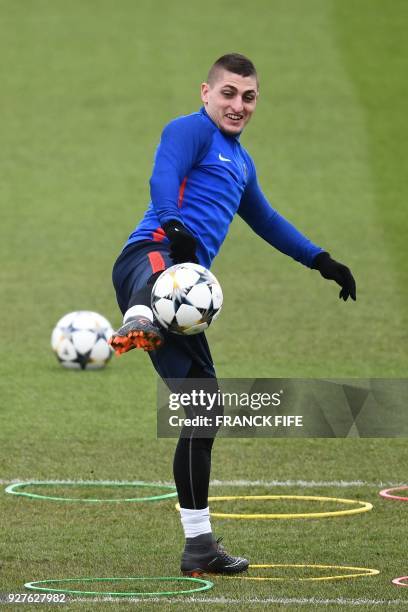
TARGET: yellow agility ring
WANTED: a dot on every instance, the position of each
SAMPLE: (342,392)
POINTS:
(361,507)
(357,572)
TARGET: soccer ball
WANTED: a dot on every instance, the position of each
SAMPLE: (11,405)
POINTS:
(186,298)
(79,340)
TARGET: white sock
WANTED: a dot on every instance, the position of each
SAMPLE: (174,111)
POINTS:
(139,309)
(195,522)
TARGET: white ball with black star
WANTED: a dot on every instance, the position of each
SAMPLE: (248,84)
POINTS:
(186,298)
(80,340)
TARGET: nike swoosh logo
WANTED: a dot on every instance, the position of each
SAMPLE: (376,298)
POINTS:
(237,562)
(221,158)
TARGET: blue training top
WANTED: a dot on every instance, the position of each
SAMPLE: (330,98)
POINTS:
(202,177)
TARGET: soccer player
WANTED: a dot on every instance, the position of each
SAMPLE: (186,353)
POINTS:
(202,176)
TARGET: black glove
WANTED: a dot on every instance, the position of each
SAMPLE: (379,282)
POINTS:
(182,243)
(333,270)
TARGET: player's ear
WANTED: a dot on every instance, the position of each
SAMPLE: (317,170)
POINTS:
(204,92)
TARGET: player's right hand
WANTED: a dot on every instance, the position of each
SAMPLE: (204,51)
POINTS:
(182,243)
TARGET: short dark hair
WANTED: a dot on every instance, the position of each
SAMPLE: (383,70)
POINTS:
(233,62)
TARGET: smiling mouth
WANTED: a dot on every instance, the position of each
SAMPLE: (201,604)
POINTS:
(234,117)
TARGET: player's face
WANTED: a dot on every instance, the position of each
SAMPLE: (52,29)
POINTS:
(230,101)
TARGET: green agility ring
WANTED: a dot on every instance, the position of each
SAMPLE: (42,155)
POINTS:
(206,585)
(15,489)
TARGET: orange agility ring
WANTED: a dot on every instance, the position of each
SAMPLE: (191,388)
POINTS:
(388,493)
(401,581)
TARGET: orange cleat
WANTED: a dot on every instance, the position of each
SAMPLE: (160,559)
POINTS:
(140,333)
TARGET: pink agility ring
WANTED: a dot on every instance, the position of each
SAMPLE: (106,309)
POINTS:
(399,581)
(387,493)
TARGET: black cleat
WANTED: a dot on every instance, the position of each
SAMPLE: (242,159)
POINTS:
(205,555)
(139,332)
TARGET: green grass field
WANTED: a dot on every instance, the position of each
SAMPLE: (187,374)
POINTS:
(86,87)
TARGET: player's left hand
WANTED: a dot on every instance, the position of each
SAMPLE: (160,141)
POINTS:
(333,270)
